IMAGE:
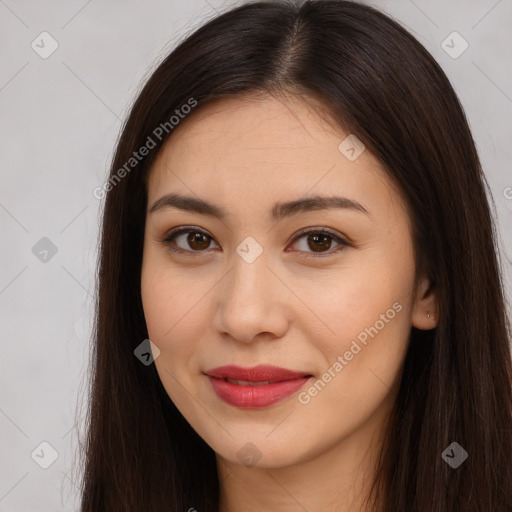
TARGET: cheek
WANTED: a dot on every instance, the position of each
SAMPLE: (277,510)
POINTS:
(345,303)
(158,290)
(174,316)
(155,301)
(172,326)
(361,370)
(365,319)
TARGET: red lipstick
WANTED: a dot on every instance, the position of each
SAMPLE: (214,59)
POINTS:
(254,388)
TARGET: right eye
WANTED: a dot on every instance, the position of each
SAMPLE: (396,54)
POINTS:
(197,239)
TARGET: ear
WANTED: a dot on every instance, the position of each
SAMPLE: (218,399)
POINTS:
(425,314)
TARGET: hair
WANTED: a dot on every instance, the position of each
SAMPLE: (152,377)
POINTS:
(379,83)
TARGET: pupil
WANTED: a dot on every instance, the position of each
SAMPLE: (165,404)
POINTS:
(315,240)
(195,238)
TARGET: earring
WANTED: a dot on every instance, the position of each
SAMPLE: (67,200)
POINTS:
(428,314)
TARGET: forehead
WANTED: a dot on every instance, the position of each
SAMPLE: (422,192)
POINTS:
(260,148)
(271,129)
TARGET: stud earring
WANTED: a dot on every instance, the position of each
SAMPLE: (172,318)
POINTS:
(428,314)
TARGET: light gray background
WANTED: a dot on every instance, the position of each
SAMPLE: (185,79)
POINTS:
(59,121)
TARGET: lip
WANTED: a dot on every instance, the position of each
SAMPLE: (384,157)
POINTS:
(281,384)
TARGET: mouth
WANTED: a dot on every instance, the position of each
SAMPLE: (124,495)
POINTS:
(265,374)
(251,383)
(254,388)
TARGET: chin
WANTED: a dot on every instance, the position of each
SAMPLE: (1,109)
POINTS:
(262,454)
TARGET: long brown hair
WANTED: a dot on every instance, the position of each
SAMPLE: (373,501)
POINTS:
(379,83)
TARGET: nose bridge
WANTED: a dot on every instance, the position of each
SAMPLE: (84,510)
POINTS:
(249,278)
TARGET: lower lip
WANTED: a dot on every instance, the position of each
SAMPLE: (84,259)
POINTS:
(255,397)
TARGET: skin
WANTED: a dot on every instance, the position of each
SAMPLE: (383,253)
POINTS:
(211,308)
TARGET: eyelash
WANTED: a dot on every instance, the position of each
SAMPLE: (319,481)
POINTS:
(170,236)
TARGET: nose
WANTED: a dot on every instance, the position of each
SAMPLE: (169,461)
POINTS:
(251,302)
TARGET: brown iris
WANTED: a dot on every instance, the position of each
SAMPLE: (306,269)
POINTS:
(198,238)
(323,245)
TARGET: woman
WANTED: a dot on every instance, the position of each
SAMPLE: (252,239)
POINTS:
(296,217)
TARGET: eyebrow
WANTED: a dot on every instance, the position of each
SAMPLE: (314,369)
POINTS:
(277,212)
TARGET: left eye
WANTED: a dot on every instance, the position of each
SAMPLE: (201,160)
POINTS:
(318,240)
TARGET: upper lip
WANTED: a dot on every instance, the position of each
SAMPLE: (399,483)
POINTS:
(257,374)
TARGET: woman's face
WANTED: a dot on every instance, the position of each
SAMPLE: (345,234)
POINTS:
(249,289)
